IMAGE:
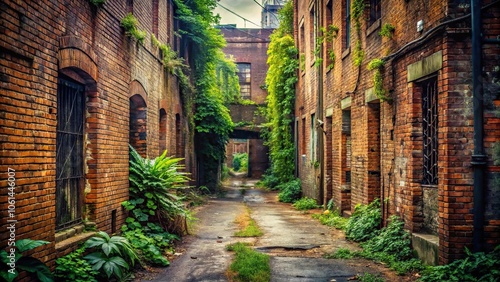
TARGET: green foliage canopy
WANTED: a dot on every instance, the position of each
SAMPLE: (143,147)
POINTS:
(281,79)
(213,123)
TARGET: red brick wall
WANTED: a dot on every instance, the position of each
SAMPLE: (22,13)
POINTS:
(43,39)
(386,137)
(248,45)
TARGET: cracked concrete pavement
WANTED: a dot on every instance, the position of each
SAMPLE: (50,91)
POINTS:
(295,242)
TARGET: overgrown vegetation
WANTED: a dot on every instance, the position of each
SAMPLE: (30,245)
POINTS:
(332,218)
(212,121)
(376,65)
(248,264)
(281,78)
(72,267)
(227,80)
(240,162)
(112,256)
(12,261)
(387,30)
(129,23)
(357,8)
(289,191)
(364,222)
(156,206)
(305,203)
(248,226)
(478,266)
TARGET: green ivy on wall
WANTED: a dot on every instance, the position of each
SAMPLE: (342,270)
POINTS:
(281,79)
(212,121)
(357,8)
(376,65)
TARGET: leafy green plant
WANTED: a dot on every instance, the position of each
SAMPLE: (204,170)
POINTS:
(248,265)
(364,222)
(496,153)
(305,203)
(169,57)
(332,218)
(112,256)
(15,260)
(153,190)
(387,30)
(329,33)
(377,65)
(149,241)
(72,267)
(130,23)
(290,191)
(357,8)
(392,240)
(478,266)
(341,253)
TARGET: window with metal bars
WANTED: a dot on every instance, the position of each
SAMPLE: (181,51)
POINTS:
(70,152)
(430,131)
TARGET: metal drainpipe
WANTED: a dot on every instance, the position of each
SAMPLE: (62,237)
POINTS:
(478,158)
(319,110)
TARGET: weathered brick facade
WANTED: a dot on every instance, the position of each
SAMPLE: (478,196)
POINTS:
(129,98)
(249,46)
(378,149)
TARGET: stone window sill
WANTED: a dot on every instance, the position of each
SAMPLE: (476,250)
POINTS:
(72,236)
(373,27)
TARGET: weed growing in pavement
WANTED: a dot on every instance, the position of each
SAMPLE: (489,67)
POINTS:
(341,253)
(305,204)
(332,218)
(248,227)
(248,265)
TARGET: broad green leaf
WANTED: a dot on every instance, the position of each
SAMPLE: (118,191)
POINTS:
(28,244)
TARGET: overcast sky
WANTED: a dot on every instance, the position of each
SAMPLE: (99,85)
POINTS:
(247,9)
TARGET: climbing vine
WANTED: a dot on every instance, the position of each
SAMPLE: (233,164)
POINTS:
(281,78)
(212,121)
(376,65)
(357,8)
(387,30)
(227,80)
(327,35)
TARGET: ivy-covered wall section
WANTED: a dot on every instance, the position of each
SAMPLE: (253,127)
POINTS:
(212,121)
(281,79)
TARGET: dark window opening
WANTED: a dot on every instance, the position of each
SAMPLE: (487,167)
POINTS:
(70,152)
(375,11)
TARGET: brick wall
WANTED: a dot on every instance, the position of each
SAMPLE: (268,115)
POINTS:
(383,146)
(41,41)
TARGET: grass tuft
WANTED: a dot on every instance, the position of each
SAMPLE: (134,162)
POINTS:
(248,264)
(248,226)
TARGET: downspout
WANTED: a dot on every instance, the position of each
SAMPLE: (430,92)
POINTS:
(478,158)
(319,107)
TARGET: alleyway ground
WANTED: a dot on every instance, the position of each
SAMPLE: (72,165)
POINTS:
(295,242)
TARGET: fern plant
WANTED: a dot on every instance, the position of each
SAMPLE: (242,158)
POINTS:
(153,188)
(26,263)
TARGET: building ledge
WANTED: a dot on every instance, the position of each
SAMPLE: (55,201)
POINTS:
(427,247)
(72,236)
